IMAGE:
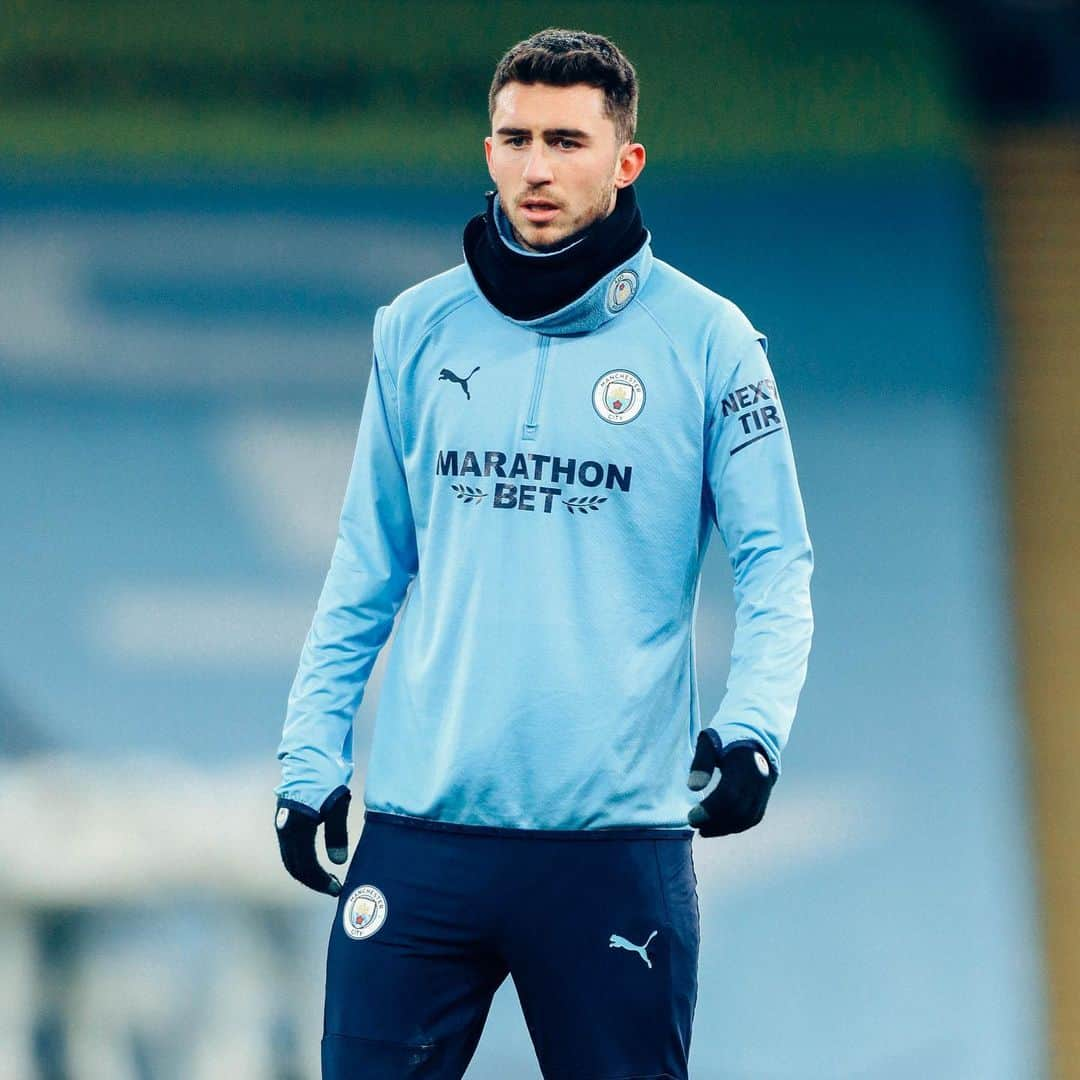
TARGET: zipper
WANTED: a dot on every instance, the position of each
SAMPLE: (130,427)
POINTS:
(529,430)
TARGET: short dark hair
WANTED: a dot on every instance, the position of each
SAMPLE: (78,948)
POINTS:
(557,57)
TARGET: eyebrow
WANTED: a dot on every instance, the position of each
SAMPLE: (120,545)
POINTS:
(556,133)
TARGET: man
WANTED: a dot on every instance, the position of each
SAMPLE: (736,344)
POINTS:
(550,432)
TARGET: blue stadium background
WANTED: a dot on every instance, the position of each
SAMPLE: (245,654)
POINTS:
(181,372)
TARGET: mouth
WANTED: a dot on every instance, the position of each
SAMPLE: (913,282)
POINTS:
(539,211)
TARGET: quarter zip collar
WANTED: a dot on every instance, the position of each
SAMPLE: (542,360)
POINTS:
(606,300)
(605,266)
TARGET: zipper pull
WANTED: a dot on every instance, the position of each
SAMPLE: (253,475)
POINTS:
(532,421)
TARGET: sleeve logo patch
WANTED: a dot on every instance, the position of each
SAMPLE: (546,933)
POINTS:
(756,407)
(618,396)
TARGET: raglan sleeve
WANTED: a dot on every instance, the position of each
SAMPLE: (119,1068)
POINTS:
(751,483)
(374,559)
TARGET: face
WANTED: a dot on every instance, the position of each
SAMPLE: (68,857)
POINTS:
(556,161)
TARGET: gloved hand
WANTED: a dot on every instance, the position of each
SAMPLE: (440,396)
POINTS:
(747,776)
(296,825)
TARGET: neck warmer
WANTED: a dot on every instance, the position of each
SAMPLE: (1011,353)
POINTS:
(525,286)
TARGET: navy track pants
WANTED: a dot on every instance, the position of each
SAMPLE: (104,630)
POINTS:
(597,928)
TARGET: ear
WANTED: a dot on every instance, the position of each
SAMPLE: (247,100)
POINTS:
(631,162)
(488,146)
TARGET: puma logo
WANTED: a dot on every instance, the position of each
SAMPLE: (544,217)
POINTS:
(617,942)
(446,373)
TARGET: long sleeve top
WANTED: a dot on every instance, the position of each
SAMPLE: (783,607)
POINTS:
(539,496)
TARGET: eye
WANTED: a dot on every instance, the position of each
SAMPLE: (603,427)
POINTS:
(516,140)
(567,144)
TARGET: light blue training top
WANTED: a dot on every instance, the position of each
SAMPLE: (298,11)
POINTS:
(539,496)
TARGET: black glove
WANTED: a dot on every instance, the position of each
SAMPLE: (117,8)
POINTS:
(296,825)
(747,776)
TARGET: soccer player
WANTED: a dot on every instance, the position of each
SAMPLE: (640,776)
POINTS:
(550,432)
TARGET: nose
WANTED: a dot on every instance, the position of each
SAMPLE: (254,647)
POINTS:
(537,167)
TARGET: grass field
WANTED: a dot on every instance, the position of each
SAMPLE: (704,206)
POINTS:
(379,85)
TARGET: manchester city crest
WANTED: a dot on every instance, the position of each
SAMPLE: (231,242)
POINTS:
(364,912)
(621,291)
(618,396)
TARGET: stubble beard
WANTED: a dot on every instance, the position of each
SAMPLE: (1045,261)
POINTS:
(599,208)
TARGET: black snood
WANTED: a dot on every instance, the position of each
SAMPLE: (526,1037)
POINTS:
(524,287)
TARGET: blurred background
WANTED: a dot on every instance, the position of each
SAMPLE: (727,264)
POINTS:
(201,206)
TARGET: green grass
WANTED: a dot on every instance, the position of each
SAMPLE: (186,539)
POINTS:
(382,86)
